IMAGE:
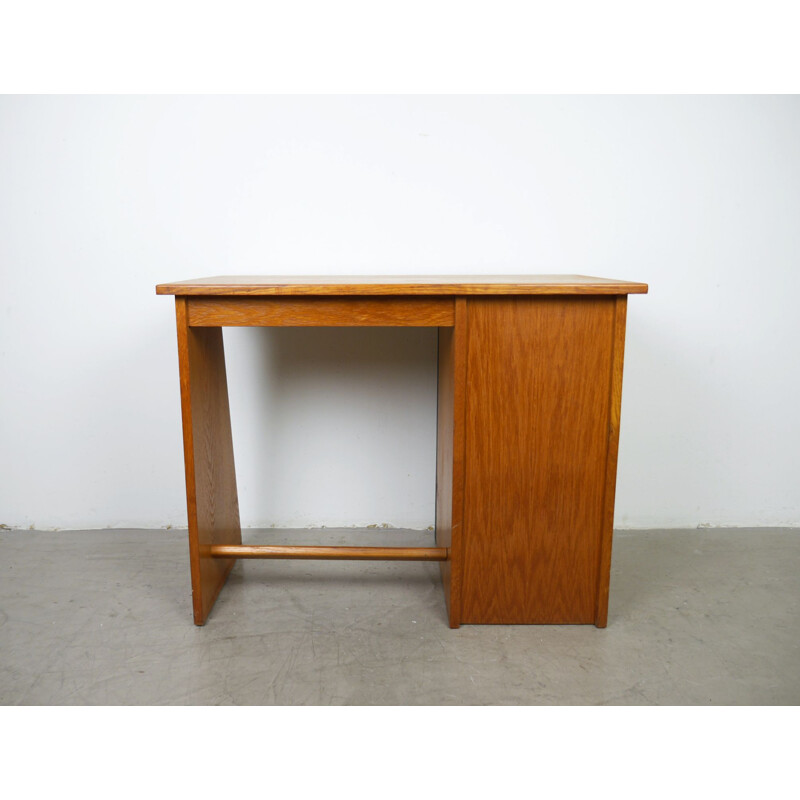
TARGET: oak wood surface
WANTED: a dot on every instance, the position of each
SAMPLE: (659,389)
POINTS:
(537,421)
(530,379)
(399,285)
(321,311)
(339,553)
(615,400)
(450,455)
(211,498)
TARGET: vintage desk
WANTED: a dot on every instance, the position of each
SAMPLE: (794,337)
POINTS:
(530,381)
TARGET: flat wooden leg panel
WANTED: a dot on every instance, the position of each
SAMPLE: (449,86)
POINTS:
(450,456)
(615,399)
(212,502)
(537,435)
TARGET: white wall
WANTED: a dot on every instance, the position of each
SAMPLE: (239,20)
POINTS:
(103,197)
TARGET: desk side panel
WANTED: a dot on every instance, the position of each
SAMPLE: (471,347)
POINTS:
(450,456)
(212,501)
(615,401)
(537,423)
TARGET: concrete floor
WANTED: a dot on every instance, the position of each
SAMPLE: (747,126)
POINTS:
(104,618)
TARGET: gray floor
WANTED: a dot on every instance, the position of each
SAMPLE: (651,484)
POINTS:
(104,618)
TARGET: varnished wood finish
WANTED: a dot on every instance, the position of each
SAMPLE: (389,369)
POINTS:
(211,499)
(331,553)
(530,380)
(450,455)
(615,400)
(537,425)
(317,311)
(451,285)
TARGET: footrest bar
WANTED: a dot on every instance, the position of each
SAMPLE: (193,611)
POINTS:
(339,553)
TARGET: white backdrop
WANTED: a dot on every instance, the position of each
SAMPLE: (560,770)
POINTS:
(103,197)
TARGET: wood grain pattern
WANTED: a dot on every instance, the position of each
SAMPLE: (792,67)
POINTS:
(530,380)
(211,498)
(226,285)
(322,311)
(537,436)
(614,404)
(450,456)
(330,553)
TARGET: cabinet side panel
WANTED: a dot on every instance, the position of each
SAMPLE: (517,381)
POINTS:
(537,421)
(615,400)
(450,456)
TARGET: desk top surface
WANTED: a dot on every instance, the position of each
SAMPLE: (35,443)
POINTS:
(251,285)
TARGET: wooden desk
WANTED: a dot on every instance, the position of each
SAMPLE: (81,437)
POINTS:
(530,381)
